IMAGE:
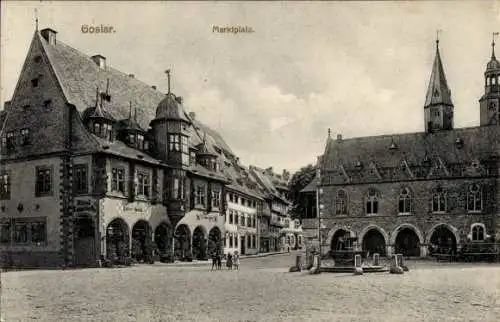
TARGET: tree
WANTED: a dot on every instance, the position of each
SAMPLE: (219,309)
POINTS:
(299,181)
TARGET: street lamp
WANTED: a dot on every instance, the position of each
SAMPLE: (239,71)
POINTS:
(318,210)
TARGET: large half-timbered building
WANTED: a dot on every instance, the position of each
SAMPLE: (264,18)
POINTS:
(96,163)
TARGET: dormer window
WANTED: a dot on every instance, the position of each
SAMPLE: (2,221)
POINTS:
(131,138)
(140,141)
(103,130)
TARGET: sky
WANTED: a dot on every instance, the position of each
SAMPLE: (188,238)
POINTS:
(358,68)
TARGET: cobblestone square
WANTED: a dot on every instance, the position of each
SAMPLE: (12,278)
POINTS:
(262,290)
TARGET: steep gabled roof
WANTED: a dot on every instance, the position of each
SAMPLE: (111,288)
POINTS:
(79,76)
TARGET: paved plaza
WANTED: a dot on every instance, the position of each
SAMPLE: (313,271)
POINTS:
(262,290)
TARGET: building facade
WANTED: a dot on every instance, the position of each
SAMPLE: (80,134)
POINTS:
(95,163)
(408,193)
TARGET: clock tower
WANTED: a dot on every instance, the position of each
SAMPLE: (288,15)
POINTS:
(490,101)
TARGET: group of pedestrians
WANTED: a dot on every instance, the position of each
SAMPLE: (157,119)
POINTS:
(231,261)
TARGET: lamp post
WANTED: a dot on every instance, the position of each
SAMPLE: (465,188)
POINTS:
(318,210)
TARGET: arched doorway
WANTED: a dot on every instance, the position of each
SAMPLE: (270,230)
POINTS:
(374,242)
(117,240)
(163,239)
(142,245)
(182,242)
(443,240)
(407,242)
(199,243)
(337,242)
(214,241)
(84,230)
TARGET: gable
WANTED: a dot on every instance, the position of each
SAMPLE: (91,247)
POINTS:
(38,104)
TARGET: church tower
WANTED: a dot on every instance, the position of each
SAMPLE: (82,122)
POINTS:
(438,106)
(489,104)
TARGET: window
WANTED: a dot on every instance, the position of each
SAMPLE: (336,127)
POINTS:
(131,139)
(81,178)
(143,184)
(47,103)
(230,216)
(5,233)
(25,136)
(34,82)
(231,241)
(341,203)
(216,198)
(200,195)
(174,142)
(474,198)
(185,147)
(477,232)
(372,202)
(43,181)
(249,242)
(404,201)
(38,232)
(192,158)
(140,141)
(231,197)
(5,185)
(97,128)
(11,141)
(118,180)
(439,200)
(236,218)
(21,232)
(177,189)
(108,132)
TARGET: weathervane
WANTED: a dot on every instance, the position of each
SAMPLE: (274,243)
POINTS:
(438,32)
(493,44)
(36,19)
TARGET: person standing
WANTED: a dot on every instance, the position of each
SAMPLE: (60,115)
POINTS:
(214,260)
(236,261)
(229,262)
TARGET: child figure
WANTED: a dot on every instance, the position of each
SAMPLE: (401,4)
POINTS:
(236,260)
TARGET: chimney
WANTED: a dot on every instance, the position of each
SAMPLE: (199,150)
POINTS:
(49,35)
(153,87)
(192,115)
(269,170)
(99,60)
(339,137)
(131,75)
(178,99)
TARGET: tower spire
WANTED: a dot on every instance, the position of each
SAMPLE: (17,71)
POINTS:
(438,91)
(168,78)
(493,45)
